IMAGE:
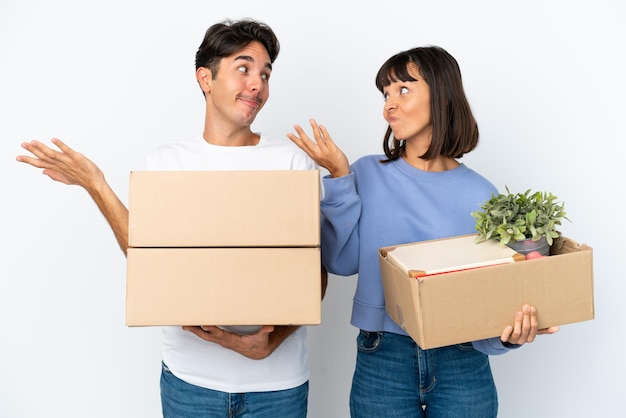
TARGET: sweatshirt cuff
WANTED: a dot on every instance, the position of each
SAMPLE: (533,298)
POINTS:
(336,189)
(494,346)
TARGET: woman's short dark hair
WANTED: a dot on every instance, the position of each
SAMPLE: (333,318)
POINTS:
(454,129)
(227,37)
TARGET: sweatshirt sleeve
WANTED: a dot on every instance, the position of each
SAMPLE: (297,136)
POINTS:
(340,210)
(493,346)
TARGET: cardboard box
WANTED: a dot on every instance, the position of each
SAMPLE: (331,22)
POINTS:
(478,303)
(224,248)
(224,208)
(223,286)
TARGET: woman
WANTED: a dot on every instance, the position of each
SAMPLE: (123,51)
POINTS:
(416,191)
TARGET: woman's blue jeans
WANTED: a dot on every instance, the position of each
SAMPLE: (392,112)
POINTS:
(396,378)
(180,399)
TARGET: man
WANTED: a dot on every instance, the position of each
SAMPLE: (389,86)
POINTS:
(208,371)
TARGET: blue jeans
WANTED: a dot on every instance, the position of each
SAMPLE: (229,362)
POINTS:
(396,378)
(180,399)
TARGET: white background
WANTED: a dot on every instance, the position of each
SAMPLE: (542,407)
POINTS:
(114,79)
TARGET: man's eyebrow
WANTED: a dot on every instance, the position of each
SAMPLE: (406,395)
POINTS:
(250,59)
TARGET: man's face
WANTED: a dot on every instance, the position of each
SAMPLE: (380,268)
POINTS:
(241,86)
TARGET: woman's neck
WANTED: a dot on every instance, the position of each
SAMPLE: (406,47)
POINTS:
(435,165)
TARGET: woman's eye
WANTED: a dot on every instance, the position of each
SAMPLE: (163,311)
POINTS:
(265,76)
(385,96)
(243,69)
(404,90)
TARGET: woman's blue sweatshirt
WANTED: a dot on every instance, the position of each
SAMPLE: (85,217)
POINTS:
(382,204)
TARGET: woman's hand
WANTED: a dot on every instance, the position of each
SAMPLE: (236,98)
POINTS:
(525,329)
(323,150)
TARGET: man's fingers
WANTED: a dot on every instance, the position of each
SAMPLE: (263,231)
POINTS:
(42,152)
(61,145)
(35,162)
(30,147)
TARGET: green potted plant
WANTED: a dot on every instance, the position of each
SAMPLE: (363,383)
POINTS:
(524,221)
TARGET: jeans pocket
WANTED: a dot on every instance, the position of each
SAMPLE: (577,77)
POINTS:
(165,369)
(465,347)
(369,342)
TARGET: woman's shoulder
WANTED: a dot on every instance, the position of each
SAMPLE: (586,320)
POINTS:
(477,179)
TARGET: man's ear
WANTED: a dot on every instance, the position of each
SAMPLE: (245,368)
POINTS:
(204,77)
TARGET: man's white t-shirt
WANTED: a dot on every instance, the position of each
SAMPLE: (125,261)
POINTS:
(207,364)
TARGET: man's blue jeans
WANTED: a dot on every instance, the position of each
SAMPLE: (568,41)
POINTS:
(180,399)
(396,378)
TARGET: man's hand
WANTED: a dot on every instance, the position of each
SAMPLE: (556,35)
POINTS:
(254,346)
(71,167)
(65,166)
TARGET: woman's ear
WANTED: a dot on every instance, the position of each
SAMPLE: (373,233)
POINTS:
(204,77)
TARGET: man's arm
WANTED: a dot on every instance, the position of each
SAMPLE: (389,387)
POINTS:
(255,346)
(70,167)
(73,168)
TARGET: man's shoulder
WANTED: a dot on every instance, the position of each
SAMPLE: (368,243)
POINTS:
(173,155)
(181,144)
(276,142)
(287,151)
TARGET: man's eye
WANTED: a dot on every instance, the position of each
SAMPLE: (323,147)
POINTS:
(243,69)
(265,76)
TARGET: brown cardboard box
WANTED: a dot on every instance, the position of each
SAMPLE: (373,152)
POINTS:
(478,303)
(223,286)
(224,208)
(224,248)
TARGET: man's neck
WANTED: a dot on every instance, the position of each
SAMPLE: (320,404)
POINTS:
(231,138)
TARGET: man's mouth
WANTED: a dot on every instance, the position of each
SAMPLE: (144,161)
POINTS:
(253,100)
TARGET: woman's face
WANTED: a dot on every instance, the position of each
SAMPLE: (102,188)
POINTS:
(407,108)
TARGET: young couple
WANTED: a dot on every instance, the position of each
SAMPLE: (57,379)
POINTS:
(210,372)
